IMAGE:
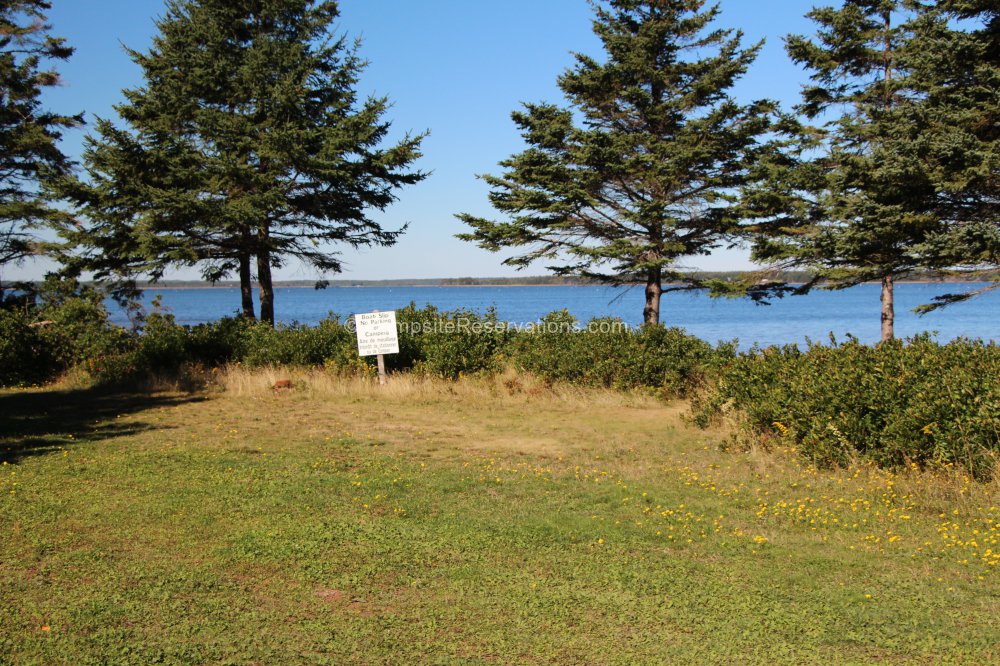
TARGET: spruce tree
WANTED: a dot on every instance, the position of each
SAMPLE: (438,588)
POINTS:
(639,169)
(246,146)
(958,73)
(855,202)
(29,134)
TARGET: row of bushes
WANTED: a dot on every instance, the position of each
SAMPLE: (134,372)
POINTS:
(901,402)
(76,334)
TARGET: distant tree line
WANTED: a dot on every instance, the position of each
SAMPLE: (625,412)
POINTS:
(246,147)
(737,277)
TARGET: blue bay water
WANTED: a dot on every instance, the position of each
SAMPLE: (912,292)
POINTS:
(852,311)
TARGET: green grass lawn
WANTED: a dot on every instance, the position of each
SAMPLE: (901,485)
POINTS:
(477,522)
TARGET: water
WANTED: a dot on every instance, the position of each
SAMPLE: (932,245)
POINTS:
(852,311)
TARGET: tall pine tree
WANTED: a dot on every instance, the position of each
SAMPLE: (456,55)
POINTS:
(855,203)
(29,134)
(246,146)
(639,169)
(958,72)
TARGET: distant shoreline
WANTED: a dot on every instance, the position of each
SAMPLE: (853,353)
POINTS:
(385,285)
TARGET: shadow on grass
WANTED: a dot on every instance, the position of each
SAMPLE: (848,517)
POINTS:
(34,423)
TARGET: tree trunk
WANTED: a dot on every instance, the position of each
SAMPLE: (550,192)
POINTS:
(246,285)
(651,311)
(888,311)
(264,286)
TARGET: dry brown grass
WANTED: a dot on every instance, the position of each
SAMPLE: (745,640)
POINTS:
(509,387)
(509,412)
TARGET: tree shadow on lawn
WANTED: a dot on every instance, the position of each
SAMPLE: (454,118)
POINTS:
(35,423)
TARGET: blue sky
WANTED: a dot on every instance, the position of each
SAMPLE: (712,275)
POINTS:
(454,67)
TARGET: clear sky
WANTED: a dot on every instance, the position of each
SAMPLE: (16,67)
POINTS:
(454,67)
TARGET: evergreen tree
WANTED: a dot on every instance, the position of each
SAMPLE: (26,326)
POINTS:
(245,147)
(855,202)
(959,75)
(28,134)
(639,170)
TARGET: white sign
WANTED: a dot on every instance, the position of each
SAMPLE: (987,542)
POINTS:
(376,333)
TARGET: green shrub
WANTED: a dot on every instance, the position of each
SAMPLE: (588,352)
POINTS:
(80,333)
(607,353)
(163,345)
(218,342)
(58,325)
(294,344)
(449,344)
(549,348)
(24,357)
(901,402)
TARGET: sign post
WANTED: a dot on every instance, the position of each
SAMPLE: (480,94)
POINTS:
(377,336)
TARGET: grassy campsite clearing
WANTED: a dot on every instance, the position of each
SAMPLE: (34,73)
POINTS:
(479,521)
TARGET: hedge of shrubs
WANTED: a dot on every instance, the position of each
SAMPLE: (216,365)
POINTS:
(447,344)
(604,354)
(899,403)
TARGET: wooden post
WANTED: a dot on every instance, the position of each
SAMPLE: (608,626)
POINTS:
(381,367)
